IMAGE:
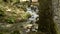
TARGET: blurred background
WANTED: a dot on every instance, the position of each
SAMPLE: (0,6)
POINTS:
(29,16)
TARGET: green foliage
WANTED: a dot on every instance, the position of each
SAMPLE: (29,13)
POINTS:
(25,16)
(10,20)
(15,32)
(1,13)
(1,33)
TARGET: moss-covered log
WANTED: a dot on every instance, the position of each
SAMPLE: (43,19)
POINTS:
(46,23)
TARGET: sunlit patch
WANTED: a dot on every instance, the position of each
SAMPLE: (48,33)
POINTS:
(8,10)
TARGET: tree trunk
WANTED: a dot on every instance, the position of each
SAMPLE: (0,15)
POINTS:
(46,23)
